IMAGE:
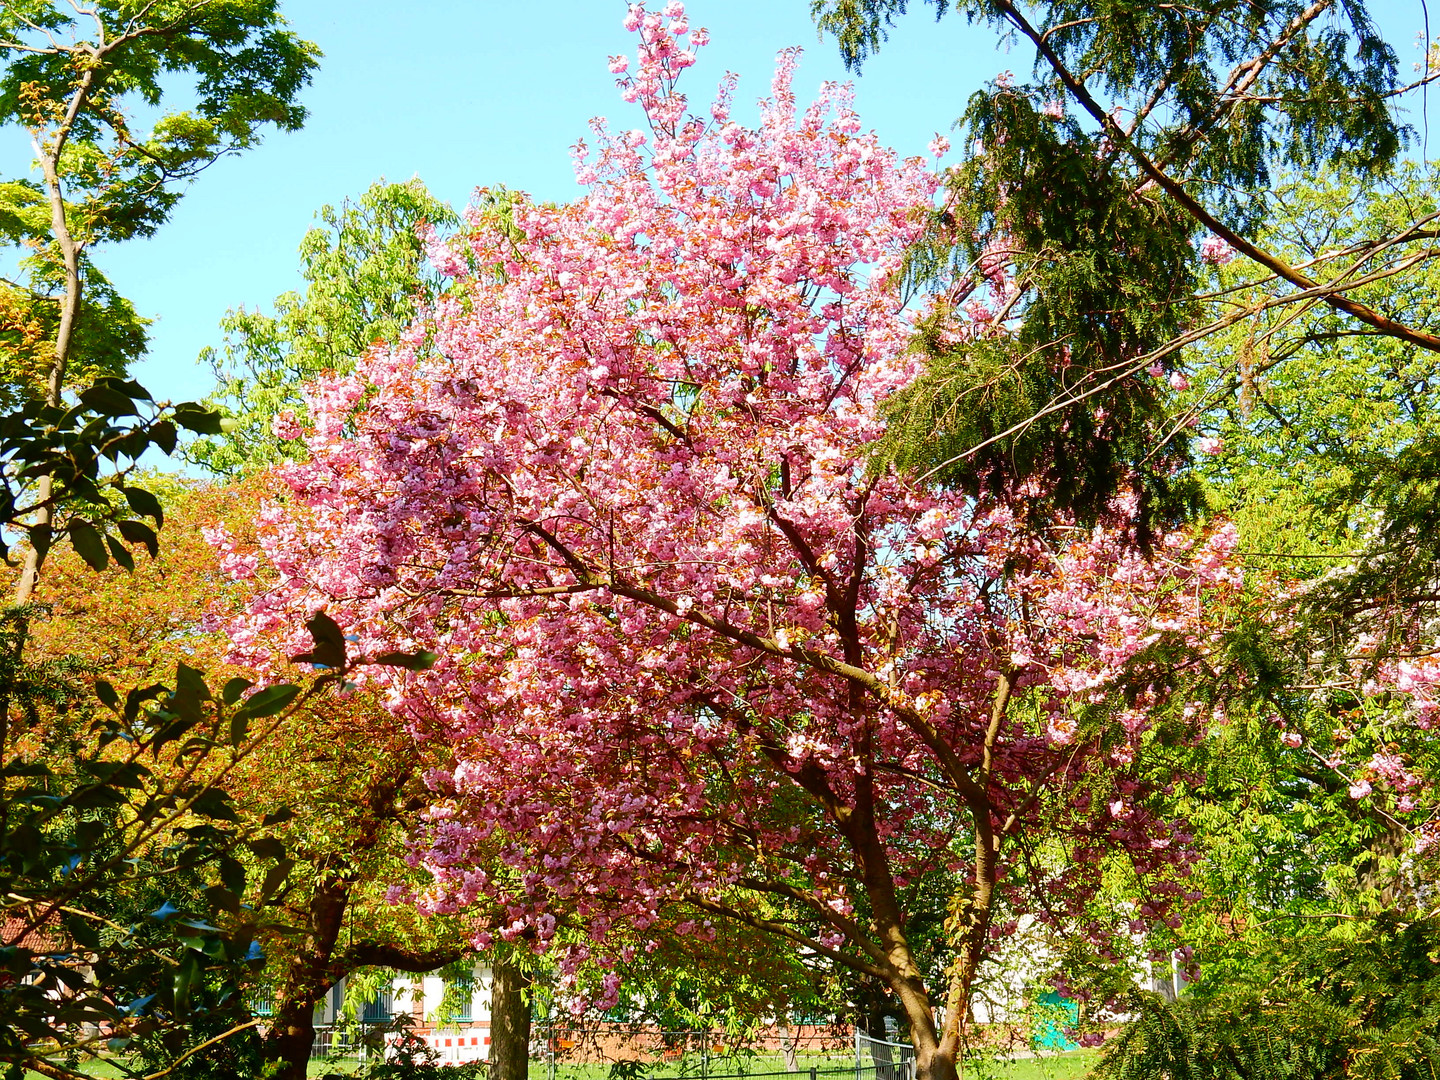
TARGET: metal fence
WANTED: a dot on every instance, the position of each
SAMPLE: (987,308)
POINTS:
(347,1043)
(888,1060)
(602,1050)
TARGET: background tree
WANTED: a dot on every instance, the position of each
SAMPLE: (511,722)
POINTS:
(1321,434)
(338,792)
(366,278)
(68,76)
(1315,802)
(127,907)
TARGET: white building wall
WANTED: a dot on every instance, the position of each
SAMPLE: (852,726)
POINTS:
(402,991)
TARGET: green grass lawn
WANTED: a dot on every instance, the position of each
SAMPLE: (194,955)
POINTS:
(1067,1066)
(1070,1065)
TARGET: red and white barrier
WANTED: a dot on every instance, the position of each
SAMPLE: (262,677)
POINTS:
(452,1049)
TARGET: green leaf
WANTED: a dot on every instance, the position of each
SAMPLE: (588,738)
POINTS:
(329,650)
(197,418)
(40,539)
(186,976)
(234,689)
(267,847)
(189,680)
(143,502)
(107,400)
(164,435)
(276,878)
(138,696)
(106,693)
(137,532)
(120,553)
(232,874)
(419,661)
(214,803)
(133,389)
(271,700)
(89,544)
(222,899)
(85,933)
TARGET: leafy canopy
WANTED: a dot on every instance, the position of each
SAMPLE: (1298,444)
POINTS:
(366,278)
(1080,201)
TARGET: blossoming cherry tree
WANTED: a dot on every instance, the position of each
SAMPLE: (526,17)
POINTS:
(696,654)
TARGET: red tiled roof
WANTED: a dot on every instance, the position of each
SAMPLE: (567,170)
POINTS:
(18,932)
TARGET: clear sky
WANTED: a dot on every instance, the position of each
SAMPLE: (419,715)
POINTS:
(466,93)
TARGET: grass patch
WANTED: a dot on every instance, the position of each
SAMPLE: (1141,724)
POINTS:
(1066,1066)
(1070,1065)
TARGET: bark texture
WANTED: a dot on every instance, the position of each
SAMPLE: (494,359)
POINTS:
(509,1021)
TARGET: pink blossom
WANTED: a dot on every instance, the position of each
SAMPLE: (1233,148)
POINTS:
(1215,251)
(284,425)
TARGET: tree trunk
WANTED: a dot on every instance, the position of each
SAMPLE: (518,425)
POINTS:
(934,1058)
(291,1037)
(787,1047)
(509,1021)
(69,313)
(292,1028)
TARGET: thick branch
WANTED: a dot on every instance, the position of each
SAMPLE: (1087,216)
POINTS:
(380,954)
(1176,190)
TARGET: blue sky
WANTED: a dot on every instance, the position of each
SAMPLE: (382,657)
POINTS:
(470,94)
(487,92)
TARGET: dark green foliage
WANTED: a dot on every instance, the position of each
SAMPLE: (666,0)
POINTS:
(111,833)
(1145,125)
(130,891)
(1313,1008)
(237,1056)
(1318,94)
(89,450)
(1102,281)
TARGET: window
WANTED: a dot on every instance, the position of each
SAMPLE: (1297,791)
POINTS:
(378,1010)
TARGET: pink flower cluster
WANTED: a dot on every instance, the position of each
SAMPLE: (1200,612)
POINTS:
(689,639)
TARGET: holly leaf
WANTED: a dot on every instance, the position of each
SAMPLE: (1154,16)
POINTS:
(329,650)
(416,661)
(89,544)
